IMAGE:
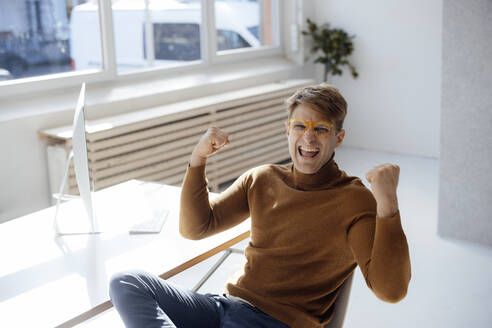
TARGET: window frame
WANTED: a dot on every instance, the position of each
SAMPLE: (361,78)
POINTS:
(109,71)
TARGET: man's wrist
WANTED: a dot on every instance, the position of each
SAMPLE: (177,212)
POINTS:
(387,209)
(387,213)
(197,160)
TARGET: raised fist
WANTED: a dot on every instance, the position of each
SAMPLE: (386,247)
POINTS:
(384,181)
(213,140)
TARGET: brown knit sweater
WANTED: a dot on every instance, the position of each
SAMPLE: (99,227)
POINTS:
(308,234)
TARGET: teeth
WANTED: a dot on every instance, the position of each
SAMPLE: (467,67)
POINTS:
(308,149)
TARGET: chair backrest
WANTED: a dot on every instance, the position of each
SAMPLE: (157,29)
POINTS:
(341,304)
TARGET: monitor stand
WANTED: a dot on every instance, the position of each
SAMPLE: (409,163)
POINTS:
(72,223)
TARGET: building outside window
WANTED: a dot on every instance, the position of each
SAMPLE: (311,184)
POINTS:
(35,36)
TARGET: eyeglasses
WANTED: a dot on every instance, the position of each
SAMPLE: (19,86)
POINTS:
(299,126)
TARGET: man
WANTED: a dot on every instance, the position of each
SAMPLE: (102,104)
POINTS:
(311,225)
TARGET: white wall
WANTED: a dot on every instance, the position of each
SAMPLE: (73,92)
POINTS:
(394,105)
(465,183)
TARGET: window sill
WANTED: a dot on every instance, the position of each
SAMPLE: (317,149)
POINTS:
(125,95)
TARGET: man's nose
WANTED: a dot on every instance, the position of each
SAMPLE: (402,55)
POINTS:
(309,134)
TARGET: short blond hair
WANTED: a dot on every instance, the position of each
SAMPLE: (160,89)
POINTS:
(324,98)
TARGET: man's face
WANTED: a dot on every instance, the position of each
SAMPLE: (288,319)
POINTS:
(308,151)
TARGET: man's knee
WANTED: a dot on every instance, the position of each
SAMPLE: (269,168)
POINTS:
(126,281)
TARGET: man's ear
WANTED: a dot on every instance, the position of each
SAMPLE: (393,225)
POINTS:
(286,128)
(340,135)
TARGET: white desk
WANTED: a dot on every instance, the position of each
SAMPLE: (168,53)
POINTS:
(49,281)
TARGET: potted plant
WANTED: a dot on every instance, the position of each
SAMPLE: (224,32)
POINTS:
(335,45)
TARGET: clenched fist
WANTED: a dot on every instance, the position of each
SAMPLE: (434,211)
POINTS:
(213,140)
(384,181)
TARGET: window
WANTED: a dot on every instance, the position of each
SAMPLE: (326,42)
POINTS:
(43,37)
(156,33)
(35,36)
(244,24)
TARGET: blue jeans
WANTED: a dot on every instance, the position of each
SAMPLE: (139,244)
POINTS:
(145,300)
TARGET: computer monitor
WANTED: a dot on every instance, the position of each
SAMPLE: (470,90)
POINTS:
(81,168)
(81,160)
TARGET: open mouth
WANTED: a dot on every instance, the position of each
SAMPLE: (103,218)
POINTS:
(307,152)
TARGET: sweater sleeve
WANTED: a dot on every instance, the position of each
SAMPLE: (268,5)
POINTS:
(380,248)
(200,217)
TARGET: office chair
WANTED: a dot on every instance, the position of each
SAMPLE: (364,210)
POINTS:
(341,304)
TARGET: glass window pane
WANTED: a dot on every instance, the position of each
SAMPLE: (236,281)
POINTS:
(244,24)
(168,30)
(227,40)
(40,37)
(176,41)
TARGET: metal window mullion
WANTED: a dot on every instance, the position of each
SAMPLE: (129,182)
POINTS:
(203,33)
(277,15)
(149,35)
(261,29)
(107,38)
(209,34)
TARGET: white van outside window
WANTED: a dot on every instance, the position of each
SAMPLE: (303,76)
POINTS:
(176,41)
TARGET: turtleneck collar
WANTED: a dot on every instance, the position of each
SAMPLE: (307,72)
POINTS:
(326,176)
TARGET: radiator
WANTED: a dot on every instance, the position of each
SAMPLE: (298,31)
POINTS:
(155,144)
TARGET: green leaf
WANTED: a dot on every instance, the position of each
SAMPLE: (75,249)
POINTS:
(335,44)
